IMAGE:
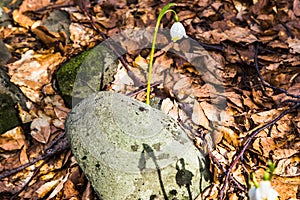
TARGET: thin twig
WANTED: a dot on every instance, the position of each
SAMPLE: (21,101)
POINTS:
(142,89)
(265,85)
(31,178)
(60,146)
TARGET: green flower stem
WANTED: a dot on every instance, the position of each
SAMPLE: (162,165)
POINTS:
(253,178)
(161,14)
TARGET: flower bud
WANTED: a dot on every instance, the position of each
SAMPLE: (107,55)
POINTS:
(177,31)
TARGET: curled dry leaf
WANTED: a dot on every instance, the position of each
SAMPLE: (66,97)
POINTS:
(288,167)
(229,135)
(81,35)
(46,188)
(33,71)
(198,116)
(59,187)
(211,111)
(13,139)
(264,145)
(294,45)
(170,108)
(21,19)
(284,153)
(40,128)
(265,116)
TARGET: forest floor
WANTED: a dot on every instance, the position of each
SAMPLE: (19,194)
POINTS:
(256,45)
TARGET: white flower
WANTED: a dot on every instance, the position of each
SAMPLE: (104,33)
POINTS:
(263,192)
(177,31)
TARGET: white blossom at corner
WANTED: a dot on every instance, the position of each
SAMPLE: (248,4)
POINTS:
(177,31)
(263,192)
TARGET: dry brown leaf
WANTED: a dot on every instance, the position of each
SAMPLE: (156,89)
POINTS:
(40,128)
(70,191)
(264,146)
(238,34)
(288,188)
(81,35)
(141,62)
(294,45)
(284,153)
(186,14)
(122,79)
(33,71)
(234,98)
(211,112)
(182,88)
(202,91)
(23,155)
(288,167)
(59,187)
(162,63)
(265,116)
(198,116)
(229,135)
(21,19)
(296,8)
(170,108)
(49,38)
(238,174)
(46,188)
(13,139)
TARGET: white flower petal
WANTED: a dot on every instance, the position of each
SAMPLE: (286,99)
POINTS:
(252,193)
(177,31)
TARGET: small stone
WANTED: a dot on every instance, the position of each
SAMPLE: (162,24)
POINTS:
(10,96)
(5,55)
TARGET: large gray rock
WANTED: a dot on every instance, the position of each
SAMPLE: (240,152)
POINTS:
(130,150)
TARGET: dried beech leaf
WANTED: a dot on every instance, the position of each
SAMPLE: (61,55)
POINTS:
(265,116)
(170,108)
(284,153)
(21,19)
(40,128)
(230,136)
(162,63)
(33,71)
(288,166)
(13,139)
(198,116)
(210,111)
(46,188)
(23,155)
(294,44)
(59,187)
(235,98)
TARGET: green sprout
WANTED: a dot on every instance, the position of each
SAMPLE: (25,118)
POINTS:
(177,32)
